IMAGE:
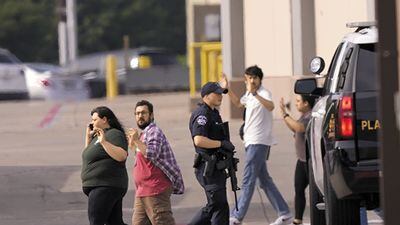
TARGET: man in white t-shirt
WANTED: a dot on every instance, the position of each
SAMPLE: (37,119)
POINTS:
(258,139)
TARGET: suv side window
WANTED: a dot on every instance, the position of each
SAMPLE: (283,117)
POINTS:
(337,66)
(331,79)
(345,78)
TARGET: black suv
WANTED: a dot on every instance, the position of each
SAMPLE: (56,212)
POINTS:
(341,138)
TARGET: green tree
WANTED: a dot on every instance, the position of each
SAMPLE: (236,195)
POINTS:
(103,23)
(28,28)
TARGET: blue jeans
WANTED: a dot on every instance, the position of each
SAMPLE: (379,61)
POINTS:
(256,167)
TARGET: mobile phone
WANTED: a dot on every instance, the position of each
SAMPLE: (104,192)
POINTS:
(287,105)
(91,126)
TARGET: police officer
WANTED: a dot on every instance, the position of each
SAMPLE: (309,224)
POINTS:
(208,138)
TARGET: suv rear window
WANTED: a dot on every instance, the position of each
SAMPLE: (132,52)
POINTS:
(366,68)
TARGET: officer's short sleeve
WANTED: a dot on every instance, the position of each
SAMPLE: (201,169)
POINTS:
(200,125)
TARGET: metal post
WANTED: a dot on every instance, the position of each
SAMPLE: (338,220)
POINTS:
(303,35)
(233,52)
(126,49)
(62,32)
(192,71)
(388,86)
(204,66)
(111,77)
(62,43)
(212,62)
(71,30)
(232,25)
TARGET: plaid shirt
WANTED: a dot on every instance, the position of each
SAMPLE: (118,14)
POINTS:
(160,153)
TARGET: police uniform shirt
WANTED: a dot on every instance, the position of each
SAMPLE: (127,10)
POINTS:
(203,122)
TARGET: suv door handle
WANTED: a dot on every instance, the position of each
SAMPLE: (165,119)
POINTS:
(318,114)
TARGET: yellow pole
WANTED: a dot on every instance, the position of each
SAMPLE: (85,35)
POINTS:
(209,65)
(219,66)
(212,62)
(111,77)
(211,50)
(204,66)
(192,71)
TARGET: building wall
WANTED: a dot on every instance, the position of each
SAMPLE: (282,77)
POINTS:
(268,36)
(190,29)
(267,25)
(330,20)
(268,43)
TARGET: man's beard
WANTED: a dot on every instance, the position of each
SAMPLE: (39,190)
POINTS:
(143,125)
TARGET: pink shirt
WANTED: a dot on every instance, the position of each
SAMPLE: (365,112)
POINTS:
(149,179)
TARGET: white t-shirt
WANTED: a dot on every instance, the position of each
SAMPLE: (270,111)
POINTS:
(258,121)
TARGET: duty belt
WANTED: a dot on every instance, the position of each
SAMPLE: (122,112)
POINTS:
(212,163)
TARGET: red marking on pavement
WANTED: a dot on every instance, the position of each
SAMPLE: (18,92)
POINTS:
(50,116)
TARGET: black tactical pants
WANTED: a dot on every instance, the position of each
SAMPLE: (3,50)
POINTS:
(216,212)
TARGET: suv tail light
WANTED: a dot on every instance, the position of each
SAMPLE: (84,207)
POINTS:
(346,117)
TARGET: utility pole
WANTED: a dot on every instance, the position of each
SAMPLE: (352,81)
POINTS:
(71,30)
(388,80)
(67,31)
(62,32)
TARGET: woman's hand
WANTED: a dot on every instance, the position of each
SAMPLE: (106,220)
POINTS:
(282,107)
(100,135)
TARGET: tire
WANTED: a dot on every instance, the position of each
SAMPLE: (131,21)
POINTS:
(317,217)
(122,89)
(97,89)
(340,211)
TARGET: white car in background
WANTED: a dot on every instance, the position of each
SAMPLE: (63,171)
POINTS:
(12,80)
(52,82)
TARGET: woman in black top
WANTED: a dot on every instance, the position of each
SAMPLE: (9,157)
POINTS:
(104,176)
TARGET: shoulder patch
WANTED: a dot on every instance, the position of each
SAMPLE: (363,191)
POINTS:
(201,120)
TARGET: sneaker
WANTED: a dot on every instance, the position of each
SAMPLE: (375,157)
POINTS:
(283,220)
(234,221)
(297,222)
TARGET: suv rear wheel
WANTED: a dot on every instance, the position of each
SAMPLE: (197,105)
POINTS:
(339,211)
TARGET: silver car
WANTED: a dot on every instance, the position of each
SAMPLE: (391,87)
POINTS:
(52,82)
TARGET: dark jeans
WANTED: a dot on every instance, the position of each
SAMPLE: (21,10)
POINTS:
(105,205)
(216,212)
(300,185)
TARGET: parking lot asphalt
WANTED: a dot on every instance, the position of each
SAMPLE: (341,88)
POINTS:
(40,160)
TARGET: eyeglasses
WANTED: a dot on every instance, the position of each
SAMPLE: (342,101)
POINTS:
(141,113)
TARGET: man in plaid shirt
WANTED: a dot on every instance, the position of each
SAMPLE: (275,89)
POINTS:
(156,172)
